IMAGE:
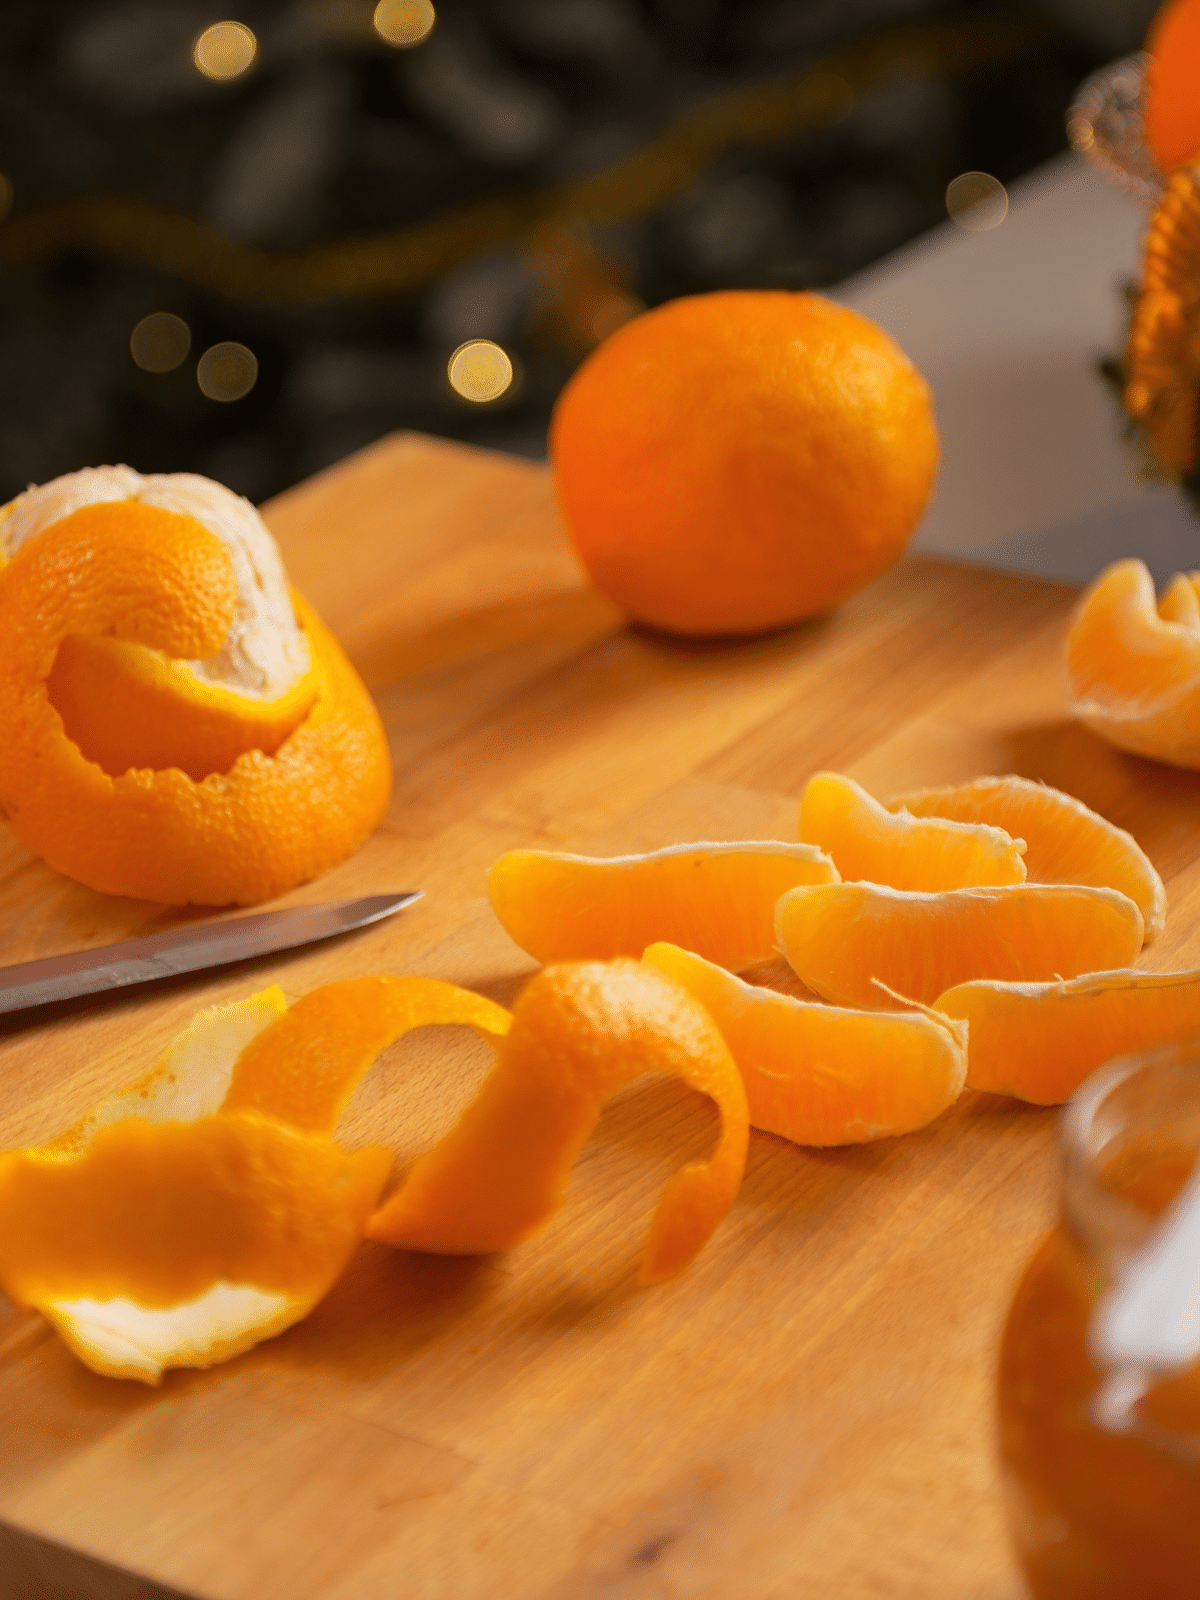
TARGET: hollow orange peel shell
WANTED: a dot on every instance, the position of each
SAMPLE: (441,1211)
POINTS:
(1133,677)
(157,578)
(1065,840)
(826,1075)
(1039,1041)
(867,841)
(580,1031)
(126,705)
(846,940)
(715,898)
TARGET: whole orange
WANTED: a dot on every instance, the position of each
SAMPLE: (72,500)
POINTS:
(1172,99)
(737,461)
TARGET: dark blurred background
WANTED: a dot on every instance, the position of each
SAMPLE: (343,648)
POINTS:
(248,251)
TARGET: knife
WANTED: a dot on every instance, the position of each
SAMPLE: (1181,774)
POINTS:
(190,949)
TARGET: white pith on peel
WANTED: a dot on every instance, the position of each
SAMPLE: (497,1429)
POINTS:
(265,652)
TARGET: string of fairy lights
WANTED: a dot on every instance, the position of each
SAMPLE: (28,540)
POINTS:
(479,370)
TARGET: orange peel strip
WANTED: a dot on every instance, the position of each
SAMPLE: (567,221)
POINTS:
(580,1031)
(157,578)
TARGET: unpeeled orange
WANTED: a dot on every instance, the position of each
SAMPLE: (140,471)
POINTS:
(732,462)
(1171,103)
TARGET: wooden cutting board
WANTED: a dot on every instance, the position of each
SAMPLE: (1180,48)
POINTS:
(808,1410)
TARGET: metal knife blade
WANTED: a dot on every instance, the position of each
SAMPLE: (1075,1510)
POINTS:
(189,949)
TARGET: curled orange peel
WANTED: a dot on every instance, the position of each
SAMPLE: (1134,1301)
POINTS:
(580,1031)
(154,578)
(205,1207)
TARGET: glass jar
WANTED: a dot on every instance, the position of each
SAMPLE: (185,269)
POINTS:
(1104,1499)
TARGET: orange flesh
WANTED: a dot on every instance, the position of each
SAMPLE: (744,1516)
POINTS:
(1039,1041)
(840,938)
(716,899)
(1095,1515)
(868,842)
(137,573)
(1065,841)
(579,1032)
(819,1075)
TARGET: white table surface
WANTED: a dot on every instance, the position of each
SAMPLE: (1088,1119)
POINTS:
(1008,326)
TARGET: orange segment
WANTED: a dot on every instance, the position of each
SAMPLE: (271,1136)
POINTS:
(304,1066)
(1039,1041)
(1133,677)
(821,1075)
(869,842)
(844,940)
(136,572)
(126,706)
(579,1032)
(716,899)
(1065,841)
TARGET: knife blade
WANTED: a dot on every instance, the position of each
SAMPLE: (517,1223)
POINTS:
(189,949)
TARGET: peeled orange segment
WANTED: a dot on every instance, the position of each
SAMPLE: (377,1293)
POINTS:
(716,899)
(1180,600)
(127,706)
(845,940)
(822,1075)
(1039,1041)
(158,579)
(161,1231)
(869,842)
(1133,677)
(1065,841)
(304,1066)
(580,1031)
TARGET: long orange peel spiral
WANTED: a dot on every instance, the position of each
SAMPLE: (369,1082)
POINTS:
(207,1207)
(155,578)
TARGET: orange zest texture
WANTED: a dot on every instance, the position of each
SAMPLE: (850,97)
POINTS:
(1133,672)
(580,1031)
(144,576)
(1039,1041)
(819,1074)
(1065,841)
(852,942)
(716,899)
(869,842)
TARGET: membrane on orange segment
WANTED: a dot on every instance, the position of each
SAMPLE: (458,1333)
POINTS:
(1065,841)
(820,1074)
(153,577)
(1133,675)
(716,899)
(206,1207)
(869,842)
(580,1031)
(1039,1041)
(851,942)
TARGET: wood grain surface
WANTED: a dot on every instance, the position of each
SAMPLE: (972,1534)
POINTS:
(808,1410)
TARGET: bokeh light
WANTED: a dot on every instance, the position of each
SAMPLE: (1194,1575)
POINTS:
(225,50)
(160,342)
(227,371)
(404,23)
(976,201)
(480,371)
